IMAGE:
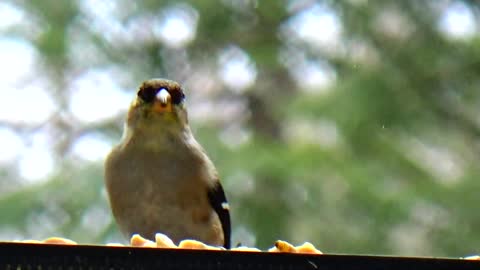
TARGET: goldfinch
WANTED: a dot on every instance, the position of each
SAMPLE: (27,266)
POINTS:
(159,178)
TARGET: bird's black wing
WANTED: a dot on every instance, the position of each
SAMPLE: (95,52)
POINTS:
(217,199)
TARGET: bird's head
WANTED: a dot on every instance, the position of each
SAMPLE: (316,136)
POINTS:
(159,105)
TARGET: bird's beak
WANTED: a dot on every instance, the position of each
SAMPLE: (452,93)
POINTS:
(162,101)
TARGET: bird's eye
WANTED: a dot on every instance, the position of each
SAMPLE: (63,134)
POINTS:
(177,96)
(147,94)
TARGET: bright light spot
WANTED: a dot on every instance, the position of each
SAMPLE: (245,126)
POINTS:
(458,21)
(91,147)
(102,17)
(393,23)
(310,75)
(29,104)
(16,60)
(36,162)
(11,15)
(318,25)
(314,76)
(177,26)
(440,162)
(11,145)
(21,103)
(99,9)
(237,70)
(96,97)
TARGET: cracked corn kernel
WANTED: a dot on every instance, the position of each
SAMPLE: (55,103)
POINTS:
(307,247)
(138,241)
(282,246)
(164,241)
(194,244)
(59,241)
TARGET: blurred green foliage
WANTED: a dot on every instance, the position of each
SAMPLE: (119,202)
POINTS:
(383,160)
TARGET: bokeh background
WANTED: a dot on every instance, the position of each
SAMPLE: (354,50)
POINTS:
(354,125)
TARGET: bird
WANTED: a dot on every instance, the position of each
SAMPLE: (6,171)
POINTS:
(159,179)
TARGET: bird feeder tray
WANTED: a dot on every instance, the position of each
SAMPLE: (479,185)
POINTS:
(15,256)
